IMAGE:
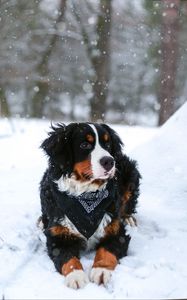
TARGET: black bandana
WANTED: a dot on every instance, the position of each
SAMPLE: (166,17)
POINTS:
(87,210)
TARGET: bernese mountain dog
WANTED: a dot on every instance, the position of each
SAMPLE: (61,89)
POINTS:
(88,194)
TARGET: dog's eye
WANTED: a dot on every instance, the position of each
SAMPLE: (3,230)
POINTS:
(86,146)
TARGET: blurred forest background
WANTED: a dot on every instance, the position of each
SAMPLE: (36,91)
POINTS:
(121,61)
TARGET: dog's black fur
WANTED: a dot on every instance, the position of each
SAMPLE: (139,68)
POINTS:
(64,151)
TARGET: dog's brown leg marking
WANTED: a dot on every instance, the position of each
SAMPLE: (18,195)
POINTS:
(125,198)
(127,195)
(72,264)
(112,228)
(59,230)
(105,259)
(130,220)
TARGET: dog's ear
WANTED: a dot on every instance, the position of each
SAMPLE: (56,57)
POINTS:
(53,145)
(58,146)
(117,143)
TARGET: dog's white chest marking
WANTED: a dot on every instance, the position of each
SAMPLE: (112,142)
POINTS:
(75,188)
(98,234)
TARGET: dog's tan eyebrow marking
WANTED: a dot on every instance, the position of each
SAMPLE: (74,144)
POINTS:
(106,137)
(90,138)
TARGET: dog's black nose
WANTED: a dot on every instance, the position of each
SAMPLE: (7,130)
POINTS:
(107,162)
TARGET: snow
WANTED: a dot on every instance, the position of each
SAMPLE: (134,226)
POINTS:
(156,265)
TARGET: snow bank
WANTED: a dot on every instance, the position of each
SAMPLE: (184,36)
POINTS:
(159,245)
(156,266)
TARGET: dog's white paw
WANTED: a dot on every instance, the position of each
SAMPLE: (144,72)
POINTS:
(131,221)
(100,275)
(76,279)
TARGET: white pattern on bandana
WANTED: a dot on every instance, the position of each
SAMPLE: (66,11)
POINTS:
(88,202)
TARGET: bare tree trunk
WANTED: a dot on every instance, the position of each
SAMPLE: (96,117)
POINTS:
(4,107)
(43,85)
(101,62)
(169,47)
(184,3)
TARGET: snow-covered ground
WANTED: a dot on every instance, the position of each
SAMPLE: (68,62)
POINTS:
(156,265)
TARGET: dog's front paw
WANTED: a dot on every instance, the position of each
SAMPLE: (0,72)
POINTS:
(76,279)
(100,275)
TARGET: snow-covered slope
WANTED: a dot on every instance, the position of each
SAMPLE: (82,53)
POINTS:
(158,252)
(156,266)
